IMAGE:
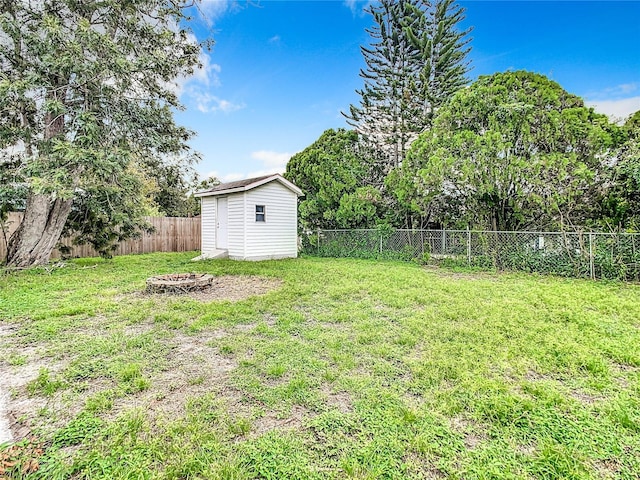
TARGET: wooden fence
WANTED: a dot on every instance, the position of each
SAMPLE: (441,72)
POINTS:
(172,234)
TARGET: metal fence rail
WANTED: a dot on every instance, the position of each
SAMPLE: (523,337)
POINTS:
(575,254)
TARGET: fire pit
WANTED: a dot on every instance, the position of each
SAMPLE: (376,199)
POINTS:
(179,282)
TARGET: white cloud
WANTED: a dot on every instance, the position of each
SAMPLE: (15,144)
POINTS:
(229,177)
(619,90)
(196,89)
(275,39)
(208,103)
(627,88)
(351,5)
(357,7)
(618,109)
(272,162)
(212,10)
(232,177)
(616,102)
(206,75)
(264,172)
(272,159)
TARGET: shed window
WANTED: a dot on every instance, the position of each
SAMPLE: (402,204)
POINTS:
(261,213)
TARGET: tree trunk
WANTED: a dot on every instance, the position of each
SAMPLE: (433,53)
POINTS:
(36,237)
(45,215)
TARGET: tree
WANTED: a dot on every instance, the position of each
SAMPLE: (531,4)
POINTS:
(174,191)
(87,99)
(444,50)
(12,192)
(416,61)
(513,150)
(622,206)
(389,98)
(193,204)
(331,172)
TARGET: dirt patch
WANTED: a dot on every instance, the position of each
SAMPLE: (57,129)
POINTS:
(341,401)
(443,272)
(413,400)
(625,367)
(271,421)
(17,408)
(194,368)
(471,441)
(338,400)
(607,468)
(234,288)
(421,467)
(472,433)
(246,327)
(585,397)
(268,319)
(136,329)
(5,429)
(533,376)
(8,329)
(526,449)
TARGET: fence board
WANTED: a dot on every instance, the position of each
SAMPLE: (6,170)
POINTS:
(172,234)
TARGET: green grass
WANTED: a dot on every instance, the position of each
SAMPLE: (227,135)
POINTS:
(351,369)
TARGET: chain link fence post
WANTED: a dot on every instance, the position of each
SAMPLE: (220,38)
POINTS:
(592,269)
(318,243)
(468,247)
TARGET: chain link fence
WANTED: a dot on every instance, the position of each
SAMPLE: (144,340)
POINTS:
(588,255)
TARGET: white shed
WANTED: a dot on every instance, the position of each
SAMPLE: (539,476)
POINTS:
(252,219)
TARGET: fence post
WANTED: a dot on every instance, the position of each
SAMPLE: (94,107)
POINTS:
(380,243)
(592,269)
(443,242)
(318,243)
(468,247)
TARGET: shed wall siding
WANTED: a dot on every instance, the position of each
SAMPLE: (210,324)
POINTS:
(277,237)
(236,225)
(208,224)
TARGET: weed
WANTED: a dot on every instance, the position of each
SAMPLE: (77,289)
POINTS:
(17,360)
(44,384)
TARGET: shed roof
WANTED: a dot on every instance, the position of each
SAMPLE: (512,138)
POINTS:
(248,184)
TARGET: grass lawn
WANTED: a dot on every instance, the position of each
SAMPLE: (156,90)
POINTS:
(329,368)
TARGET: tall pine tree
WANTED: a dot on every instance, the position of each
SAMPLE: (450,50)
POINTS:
(389,102)
(417,59)
(444,50)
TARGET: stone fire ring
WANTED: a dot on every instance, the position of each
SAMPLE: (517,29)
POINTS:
(179,282)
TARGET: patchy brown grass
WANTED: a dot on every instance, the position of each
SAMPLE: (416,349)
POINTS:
(234,288)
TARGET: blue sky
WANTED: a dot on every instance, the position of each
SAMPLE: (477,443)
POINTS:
(281,72)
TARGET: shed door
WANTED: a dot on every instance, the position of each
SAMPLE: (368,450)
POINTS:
(222,225)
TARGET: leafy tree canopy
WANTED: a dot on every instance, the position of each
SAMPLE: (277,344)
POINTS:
(173,195)
(87,100)
(513,150)
(622,206)
(331,174)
